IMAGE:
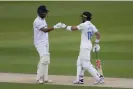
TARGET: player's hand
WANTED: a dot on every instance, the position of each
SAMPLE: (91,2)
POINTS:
(57,26)
(63,25)
(96,48)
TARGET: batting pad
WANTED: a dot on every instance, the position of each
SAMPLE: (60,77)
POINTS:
(45,59)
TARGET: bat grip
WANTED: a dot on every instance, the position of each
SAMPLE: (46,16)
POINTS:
(96,54)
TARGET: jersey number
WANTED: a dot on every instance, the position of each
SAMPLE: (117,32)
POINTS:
(89,35)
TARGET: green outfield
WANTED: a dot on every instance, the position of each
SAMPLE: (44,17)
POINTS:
(113,19)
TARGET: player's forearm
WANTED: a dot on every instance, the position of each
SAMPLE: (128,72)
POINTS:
(47,29)
(97,37)
(71,28)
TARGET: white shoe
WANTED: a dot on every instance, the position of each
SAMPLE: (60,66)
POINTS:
(100,81)
(40,81)
(78,82)
(47,81)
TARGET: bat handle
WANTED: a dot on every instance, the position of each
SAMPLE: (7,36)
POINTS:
(96,54)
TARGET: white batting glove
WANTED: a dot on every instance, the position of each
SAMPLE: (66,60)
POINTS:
(96,48)
(57,26)
(63,25)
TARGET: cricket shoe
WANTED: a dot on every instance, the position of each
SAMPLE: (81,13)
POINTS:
(100,81)
(78,82)
(47,81)
(39,81)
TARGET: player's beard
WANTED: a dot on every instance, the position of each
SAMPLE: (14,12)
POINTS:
(83,20)
(43,15)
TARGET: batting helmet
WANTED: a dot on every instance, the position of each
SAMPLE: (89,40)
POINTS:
(86,15)
(41,9)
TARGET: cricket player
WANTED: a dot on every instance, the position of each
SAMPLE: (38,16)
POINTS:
(41,43)
(83,62)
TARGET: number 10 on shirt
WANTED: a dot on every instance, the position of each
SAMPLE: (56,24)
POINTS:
(89,35)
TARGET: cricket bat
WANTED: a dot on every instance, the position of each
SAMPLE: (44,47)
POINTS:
(98,64)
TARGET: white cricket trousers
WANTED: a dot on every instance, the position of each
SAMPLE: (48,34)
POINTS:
(83,63)
(42,71)
(42,48)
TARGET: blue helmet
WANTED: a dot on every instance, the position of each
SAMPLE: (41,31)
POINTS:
(42,9)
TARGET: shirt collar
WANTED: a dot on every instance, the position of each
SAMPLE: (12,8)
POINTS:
(87,21)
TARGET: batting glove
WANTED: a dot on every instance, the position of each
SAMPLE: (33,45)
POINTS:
(63,25)
(57,26)
(96,48)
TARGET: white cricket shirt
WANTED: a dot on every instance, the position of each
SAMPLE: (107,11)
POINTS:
(40,36)
(87,30)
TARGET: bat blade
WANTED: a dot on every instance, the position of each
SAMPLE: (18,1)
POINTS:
(99,66)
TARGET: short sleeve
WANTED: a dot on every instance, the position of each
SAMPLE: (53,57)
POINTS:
(39,25)
(80,26)
(94,29)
